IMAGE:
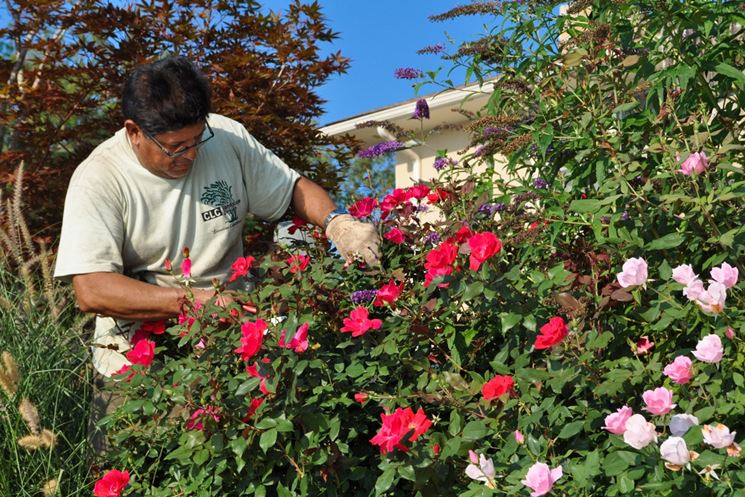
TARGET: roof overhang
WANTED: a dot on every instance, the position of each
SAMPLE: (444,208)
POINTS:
(443,108)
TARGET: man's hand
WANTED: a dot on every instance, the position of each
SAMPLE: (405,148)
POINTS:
(355,238)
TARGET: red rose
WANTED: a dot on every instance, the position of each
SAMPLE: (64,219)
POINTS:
(497,386)
(552,333)
(112,484)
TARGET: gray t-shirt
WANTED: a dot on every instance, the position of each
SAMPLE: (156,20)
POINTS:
(121,218)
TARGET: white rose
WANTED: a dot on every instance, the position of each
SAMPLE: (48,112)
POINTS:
(639,433)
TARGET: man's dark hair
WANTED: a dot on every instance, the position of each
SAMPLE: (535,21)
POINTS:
(166,95)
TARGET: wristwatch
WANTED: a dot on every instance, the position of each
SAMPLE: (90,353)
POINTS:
(332,215)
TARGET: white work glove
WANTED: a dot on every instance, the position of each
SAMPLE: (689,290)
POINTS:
(355,239)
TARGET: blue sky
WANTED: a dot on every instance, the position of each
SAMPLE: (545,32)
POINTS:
(380,36)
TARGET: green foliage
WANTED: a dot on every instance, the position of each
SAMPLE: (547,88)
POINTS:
(55,375)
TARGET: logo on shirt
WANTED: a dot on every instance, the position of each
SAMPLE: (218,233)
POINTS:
(220,196)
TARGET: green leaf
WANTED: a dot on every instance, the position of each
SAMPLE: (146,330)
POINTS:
(509,320)
(473,290)
(574,57)
(268,439)
(668,241)
(385,480)
(474,430)
(617,462)
(730,72)
(585,205)
(571,429)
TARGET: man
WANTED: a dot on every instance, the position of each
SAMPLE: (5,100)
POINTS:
(175,176)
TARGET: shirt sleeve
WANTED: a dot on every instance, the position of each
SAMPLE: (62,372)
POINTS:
(92,233)
(269,182)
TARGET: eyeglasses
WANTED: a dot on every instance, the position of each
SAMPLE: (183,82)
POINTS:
(181,150)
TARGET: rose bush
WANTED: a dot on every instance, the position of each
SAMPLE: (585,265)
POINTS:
(536,337)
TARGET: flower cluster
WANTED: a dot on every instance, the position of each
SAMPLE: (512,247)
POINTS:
(380,149)
(396,426)
(711,299)
(408,73)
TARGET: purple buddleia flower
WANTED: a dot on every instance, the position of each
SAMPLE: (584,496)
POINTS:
(431,49)
(432,238)
(442,162)
(625,216)
(363,296)
(380,149)
(492,208)
(479,151)
(422,109)
(408,73)
(494,131)
(540,183)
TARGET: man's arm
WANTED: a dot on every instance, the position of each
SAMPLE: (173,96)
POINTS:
(119,296)
(351,237)
(311,202)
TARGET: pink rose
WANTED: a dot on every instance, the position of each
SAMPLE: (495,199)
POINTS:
(616,422)
(718,436)
(694,289)
(111,484)
(697,163)
(643,345)
(684,274)
(483,246)
(681,423)
(395,236)
(680,370)
(519,437)
(709,349)
(712,300)
(639,432)
(634,273)
(659,401)
(730,333)
(674,451)
(541,478)
(725,274)
(363,207)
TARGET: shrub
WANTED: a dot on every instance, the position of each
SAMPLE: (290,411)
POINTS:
(543,334)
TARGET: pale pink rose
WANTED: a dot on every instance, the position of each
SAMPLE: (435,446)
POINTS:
(680,370)
(519,438)
(718,436)
(540,478)
(482,470)
(616,422)
(675,451)
(684,274)
(659,401)
(681,423)
(634,273)
(694,163)
(725,274)
(694,289)
(712,300)
(709,349)
(639,433)
(643,345)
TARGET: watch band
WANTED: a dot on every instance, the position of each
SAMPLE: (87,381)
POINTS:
(332,215)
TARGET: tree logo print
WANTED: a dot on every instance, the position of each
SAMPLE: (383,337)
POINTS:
(219,194)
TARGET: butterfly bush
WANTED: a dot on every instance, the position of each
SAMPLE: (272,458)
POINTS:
(577,335)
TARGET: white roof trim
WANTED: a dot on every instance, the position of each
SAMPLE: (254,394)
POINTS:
(404,110)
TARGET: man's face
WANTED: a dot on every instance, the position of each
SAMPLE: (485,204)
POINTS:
(153,158)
